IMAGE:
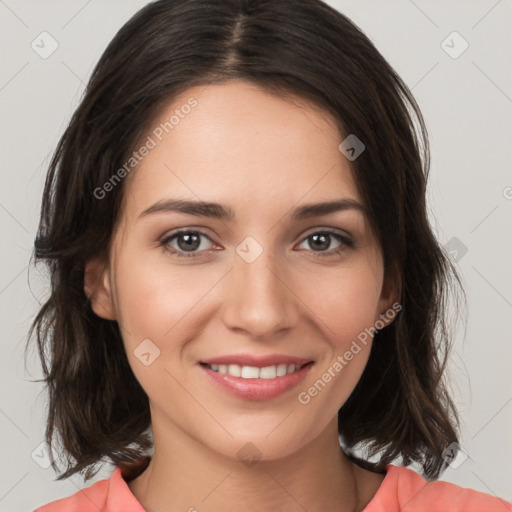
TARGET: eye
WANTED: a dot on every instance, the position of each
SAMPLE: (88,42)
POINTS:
(320,241)
(188,243)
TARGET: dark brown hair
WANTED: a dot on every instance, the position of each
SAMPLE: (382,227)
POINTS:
(400,408)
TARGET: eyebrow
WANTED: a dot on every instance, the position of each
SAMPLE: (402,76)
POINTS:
(222,212)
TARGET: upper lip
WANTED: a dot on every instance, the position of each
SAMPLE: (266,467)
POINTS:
(256,361)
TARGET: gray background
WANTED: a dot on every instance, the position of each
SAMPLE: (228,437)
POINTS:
(467,103)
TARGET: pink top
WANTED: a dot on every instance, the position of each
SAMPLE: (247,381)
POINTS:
(401,490)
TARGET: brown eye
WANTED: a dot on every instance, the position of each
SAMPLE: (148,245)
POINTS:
(187,243)
(320,243)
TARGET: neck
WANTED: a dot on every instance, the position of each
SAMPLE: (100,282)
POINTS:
(186,475)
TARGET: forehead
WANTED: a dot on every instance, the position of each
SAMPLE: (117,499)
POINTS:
(238,144)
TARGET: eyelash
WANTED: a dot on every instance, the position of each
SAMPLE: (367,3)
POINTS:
(346,243)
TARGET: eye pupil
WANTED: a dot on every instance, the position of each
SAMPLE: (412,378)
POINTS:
(324,243)
(192,241)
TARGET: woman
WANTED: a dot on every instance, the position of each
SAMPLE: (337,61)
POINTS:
(243,272)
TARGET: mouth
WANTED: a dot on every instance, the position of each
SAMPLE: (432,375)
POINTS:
(258,380)
(255,372)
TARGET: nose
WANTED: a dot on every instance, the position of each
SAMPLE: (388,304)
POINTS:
(259,299)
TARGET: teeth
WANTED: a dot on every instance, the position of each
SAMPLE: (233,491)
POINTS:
(281,370)
(252,372)
(235,370)
(269,372)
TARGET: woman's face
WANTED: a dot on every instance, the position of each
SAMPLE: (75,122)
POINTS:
(267,281)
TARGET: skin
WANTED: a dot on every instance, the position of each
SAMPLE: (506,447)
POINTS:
(263,156)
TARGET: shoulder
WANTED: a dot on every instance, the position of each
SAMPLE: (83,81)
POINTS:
(90,499)
(404,489)
(108,495)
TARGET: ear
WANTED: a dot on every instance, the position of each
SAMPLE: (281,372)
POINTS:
(98,290)
(389,302)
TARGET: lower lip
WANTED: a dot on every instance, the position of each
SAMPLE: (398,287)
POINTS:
(258,389)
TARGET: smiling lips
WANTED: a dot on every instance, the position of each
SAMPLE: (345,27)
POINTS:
(253,372)
(256,377)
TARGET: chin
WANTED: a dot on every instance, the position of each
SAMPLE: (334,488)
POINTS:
(267,442)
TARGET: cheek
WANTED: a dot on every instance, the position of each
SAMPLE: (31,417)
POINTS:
(154,299)
(155,305)
(344,300)
(345,305)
